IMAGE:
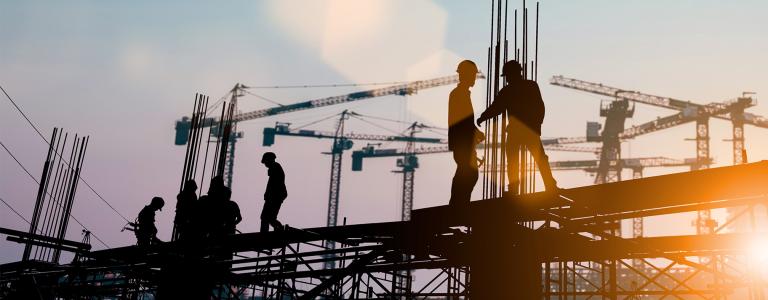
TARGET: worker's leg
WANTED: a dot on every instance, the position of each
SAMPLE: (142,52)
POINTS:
(274,222)
(142,240)
(513,162)
(533,143)
(268,214)
(465,178)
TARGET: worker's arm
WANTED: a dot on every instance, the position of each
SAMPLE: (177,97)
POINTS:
(479,136)
(238,216)
(496,108)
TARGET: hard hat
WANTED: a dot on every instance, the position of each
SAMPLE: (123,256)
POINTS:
(216,183)
(158,202)
(467,66)
(268,156)
(190,184)
(512,67)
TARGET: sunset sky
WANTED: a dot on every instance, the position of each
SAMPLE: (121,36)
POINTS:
(123,72)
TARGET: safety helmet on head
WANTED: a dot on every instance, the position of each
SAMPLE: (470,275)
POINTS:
(190,184)
(512,67)
(466,66)
(158,202)
(268,156)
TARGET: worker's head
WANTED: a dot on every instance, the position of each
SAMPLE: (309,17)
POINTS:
(226,194)
(467,72)
(512,71)
(157,203)
(217,184)
(268,158)
(190,185)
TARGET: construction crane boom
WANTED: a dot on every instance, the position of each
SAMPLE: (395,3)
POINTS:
(400,90)
(715,109)
(627,163)
(409,88)
(284,129)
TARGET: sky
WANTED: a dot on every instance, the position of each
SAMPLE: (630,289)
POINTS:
(123,72)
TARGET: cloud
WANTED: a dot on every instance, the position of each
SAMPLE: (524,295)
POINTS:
(137,60)
(350,35)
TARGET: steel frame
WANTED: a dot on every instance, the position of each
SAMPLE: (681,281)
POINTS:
(446,258)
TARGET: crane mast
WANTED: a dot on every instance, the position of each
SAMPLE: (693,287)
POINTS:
(732,110)
(341,141)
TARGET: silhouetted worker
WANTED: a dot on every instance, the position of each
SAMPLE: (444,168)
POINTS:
(208,216)
(225,214)
(232,215)
(185,209)
(521,99)
(274,194)
(463,136)
(146,233)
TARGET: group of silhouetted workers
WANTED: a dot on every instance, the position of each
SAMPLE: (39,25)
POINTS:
(213,215)
(521,100)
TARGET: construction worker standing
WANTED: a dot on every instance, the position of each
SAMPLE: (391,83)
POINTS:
(146,232)
(185,209)
(209,209)
(226,214)
(463,136)
(274,194)
(521,99)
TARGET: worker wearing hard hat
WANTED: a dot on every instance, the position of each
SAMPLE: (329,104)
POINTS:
(274,194)
(146,231)
(521,100)
(463,136)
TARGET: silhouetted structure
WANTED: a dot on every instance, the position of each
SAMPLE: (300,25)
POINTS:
(146,233)
(521,100)
(274,194)
(463,136)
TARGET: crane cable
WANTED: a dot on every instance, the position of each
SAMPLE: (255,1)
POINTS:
(60,156)
(38,182)
(325,85)
(14,211)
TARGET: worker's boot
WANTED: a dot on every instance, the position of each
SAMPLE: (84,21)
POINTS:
(512,189)
(550,184)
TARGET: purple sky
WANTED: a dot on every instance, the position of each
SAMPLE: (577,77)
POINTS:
(123,73)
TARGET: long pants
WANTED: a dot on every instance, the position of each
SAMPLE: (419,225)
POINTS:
(465,177)
(269,215)
(520,138)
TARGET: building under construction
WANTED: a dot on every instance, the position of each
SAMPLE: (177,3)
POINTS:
(526,245)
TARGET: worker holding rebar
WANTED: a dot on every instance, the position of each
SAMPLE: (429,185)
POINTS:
(463,136)
(274,194)
(146,231)
(521,100)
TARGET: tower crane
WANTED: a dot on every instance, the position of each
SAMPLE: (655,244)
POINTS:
(635,164)
(341,141)
(239,90)
(732,110)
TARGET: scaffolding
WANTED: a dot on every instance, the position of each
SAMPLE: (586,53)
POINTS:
(498,257)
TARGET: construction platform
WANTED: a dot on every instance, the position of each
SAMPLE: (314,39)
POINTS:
(532,246)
